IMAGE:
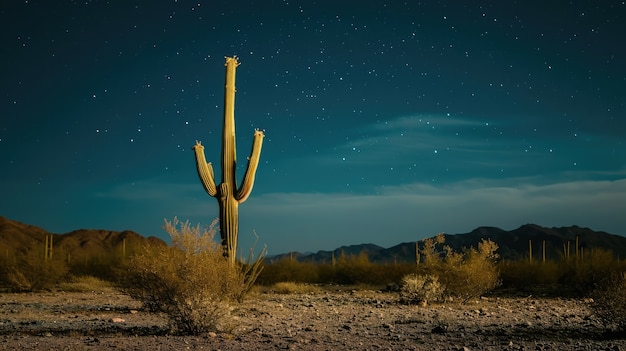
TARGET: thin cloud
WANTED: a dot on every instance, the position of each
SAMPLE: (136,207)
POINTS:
(413,211)
(408,137)
(390,214)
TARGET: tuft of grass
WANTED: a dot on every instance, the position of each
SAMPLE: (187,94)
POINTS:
(84,283)
(294,288)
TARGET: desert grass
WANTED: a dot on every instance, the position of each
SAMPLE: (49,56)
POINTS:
(84,283)
(294,288)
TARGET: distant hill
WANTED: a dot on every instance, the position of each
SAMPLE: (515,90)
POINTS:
(512,244)
(16,237)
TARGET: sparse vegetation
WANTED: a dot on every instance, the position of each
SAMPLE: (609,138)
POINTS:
(465,275)
(31,270)
(474,272)
(294,288)
(441,271)
(420,289)
(191,281)
(609,302)
(573,276)
(347,270)
(84,284)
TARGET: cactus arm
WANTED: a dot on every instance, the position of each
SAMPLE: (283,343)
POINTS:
(205,170)
(253,162)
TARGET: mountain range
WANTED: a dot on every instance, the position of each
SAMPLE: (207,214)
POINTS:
(19,238)
(16,237)
(512,245)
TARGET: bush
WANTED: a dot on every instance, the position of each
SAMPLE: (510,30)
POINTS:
(354,269)
(474,273)
(288,270)
(465,274)
(30,271)
(527,276)
(584,274)
(417,288)
(574,276)
(191,281)
(610,302)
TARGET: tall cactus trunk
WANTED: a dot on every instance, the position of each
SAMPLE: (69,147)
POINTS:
(229,222)
(228,195)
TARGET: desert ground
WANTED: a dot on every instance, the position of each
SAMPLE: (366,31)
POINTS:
(331,319)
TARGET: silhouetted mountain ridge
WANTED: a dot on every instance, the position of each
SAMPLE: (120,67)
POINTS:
(16,237)
(513,244)
(19,238)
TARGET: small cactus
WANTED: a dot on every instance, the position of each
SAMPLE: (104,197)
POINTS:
(228,195)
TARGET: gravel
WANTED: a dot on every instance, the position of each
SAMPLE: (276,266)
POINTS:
(329,320)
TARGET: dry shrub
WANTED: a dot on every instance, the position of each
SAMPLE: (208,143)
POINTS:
(610,302)
(583,274)
(354,269)
(526,276)
(474,273)
(191,281)
(30,271)
(417,288)
(465,275)
(573,276)
(289,270)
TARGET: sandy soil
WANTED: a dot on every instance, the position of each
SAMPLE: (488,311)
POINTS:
(329,320)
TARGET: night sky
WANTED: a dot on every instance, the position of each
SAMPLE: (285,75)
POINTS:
(385,122)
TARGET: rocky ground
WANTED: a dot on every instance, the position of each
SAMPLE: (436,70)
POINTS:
(327,320)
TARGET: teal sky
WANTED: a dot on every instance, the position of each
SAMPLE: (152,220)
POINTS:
(384,122)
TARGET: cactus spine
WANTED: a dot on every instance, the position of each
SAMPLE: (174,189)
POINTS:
(228,195)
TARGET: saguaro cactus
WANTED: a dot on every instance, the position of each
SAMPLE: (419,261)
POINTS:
(228,195)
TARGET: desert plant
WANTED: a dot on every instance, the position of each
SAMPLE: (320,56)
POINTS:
(473,274)
(429,252)
(250,270)
(416,288)
(190,281)
(570,275)
(228,195)
(524,276)
(583,275)
(286,270)
(31,271)
(294,288)
(353,269)
(348,269)
(465,274)
(609,302)
(84,283)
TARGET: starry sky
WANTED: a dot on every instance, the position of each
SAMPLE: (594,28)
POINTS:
(385,121)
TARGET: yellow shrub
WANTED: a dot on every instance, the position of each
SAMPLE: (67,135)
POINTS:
(30,271)
(191,281)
